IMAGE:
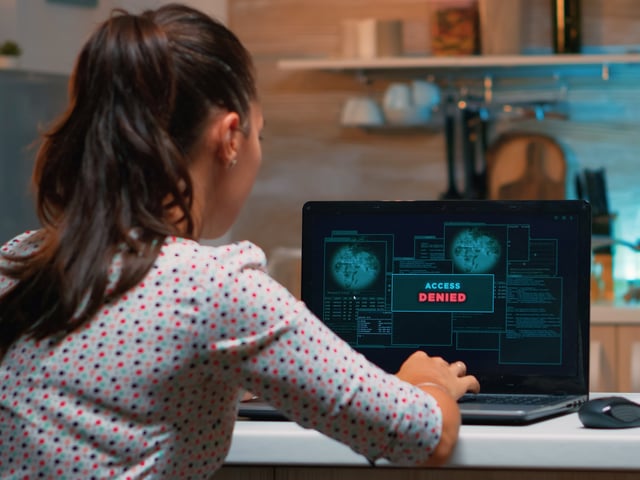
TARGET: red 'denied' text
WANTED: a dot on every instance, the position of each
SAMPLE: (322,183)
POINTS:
(442,297)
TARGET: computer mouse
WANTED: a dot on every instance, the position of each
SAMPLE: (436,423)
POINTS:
(610,412)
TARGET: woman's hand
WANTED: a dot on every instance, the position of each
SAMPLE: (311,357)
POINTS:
(422,370)
(446,382)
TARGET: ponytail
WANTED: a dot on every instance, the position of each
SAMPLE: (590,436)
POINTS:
(117,159)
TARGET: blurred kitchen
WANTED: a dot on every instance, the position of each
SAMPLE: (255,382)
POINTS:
(477,122)
(579,120)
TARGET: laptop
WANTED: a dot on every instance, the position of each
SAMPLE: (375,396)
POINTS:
(501,285)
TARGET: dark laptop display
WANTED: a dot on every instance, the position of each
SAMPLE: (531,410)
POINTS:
(503,286)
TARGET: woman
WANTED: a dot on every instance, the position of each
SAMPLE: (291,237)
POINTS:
(124,344)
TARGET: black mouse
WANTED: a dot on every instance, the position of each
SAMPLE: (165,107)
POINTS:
(610,412)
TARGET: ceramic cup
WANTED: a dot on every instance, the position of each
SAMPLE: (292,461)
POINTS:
(398,96)
(362,111)
(410,103)
(425,93)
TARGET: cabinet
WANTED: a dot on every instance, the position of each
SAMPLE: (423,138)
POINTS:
(387,473)
(615,349)
(628,357)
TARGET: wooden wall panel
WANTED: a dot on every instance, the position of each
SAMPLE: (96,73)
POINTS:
(312,28)
(294,28)
(611,22)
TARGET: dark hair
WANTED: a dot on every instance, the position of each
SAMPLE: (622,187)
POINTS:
(111,166)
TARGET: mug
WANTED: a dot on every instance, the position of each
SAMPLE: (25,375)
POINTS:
(398,96)
(425,93)
(361,111)
(410,103)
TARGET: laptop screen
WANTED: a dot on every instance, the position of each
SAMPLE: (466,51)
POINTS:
(502,286)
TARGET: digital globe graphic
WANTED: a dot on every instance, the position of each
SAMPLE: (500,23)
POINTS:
(475,251)
(354,267)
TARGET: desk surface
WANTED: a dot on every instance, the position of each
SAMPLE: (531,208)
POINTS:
(558,443)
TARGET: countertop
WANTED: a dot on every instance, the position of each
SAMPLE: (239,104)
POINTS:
(558,443)
(603,313)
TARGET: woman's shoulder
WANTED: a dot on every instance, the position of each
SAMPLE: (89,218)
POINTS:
(22,244)
(18,247)
(194,255)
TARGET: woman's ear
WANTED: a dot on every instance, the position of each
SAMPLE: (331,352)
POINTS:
(229,137)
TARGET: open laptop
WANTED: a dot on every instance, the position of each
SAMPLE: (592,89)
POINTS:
(500,285)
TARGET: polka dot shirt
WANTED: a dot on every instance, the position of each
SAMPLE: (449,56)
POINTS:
(149,388)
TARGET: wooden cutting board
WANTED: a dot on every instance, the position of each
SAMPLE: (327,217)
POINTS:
(526,166)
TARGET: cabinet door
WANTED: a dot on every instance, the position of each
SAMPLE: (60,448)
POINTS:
(603,362)
(629,358)
(239,472)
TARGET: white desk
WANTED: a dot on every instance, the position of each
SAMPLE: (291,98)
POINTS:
(557,446)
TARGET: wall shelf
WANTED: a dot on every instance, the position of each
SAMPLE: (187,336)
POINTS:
(601,65)
(463,62)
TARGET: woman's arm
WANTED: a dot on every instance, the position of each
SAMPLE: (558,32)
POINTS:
(276,348)
(446,383)
(450,426)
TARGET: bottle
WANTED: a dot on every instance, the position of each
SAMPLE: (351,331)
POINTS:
(566,26)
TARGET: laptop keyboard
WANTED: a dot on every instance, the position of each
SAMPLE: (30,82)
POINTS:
(505,398)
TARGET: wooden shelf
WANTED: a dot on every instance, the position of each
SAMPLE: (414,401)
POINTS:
(464,62)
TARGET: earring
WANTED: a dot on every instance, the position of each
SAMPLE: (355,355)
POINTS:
(232,163)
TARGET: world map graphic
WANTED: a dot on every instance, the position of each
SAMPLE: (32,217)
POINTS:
(354,267)
(475,251)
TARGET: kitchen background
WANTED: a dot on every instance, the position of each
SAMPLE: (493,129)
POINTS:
(308,154)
